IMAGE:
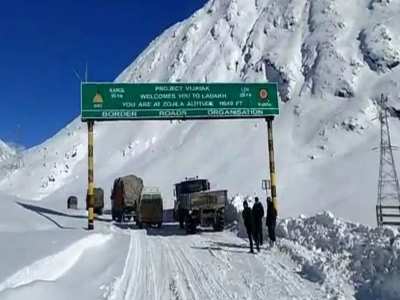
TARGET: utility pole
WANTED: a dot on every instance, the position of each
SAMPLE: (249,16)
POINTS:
(90,192)
(272,171)
(388,206)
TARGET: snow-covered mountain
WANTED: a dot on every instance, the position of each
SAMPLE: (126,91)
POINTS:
(6,151)
(332,60)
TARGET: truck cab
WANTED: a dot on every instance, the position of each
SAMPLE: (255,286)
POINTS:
(183,191)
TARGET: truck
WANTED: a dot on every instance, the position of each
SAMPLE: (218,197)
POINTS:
(196,205)
(98,201)
(125,197)
(150,207)
(182,192)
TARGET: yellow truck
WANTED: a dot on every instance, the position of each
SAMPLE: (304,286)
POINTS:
(150,207)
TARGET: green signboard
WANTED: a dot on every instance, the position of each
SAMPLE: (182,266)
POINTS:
(166,101)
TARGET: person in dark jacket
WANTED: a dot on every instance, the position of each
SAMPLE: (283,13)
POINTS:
(271,220)
(248,223)
(258,214)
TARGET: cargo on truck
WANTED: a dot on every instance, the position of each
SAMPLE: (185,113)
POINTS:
(125,196)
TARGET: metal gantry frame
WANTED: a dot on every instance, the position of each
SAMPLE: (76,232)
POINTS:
(91,186)
(388,205)
(95,94)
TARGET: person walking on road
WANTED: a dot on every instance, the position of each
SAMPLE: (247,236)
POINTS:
(258,214)
(248,223)
(271,221)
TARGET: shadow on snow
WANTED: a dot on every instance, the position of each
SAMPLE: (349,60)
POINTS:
(45,212)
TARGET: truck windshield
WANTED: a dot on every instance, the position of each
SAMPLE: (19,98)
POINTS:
(192,186)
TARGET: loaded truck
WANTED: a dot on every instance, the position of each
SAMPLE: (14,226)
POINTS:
(196,205)
(98,201)
(150,207)
(125,196)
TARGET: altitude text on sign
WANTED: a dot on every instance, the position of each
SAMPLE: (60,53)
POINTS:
(112,101)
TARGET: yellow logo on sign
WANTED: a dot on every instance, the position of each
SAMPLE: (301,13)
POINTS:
(98,98)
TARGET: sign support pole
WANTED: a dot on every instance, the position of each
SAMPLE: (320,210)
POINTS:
(90,192)
(271,161)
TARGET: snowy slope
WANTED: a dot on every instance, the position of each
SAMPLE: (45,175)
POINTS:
(5,151)
(332,60)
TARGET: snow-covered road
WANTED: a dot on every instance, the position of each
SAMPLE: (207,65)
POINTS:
(117,263)
(321,257)
(165,264)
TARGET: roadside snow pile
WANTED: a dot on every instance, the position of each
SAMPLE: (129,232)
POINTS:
(55,266)
(341,254)
(238,200)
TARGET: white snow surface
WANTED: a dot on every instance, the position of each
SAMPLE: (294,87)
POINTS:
(5,151)
(53,267)
(332,59)
(318,257)
(340,254)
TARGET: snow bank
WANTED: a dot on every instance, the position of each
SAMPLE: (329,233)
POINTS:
(53,267)
(339,254)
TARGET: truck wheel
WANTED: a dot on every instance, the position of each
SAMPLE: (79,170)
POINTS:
(118,217)
(140,225)
(190,227)
(219,225)
(193,229)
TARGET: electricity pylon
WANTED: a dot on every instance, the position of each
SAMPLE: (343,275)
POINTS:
(388,206)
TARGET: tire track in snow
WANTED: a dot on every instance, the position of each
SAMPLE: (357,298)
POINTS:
(213,281)
(209,285)
(125,286)
(178,287)
(173,267)
(175,274)
(55,266)
(286,283)
(139,278)
(269,275)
